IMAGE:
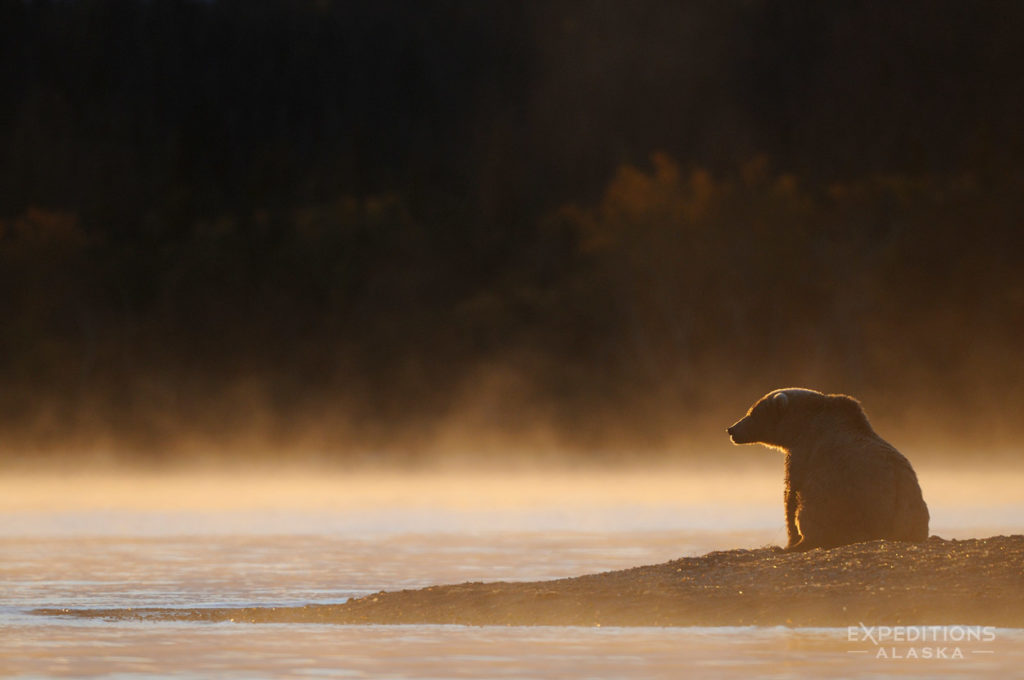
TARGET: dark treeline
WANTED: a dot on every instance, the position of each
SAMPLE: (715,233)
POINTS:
(344,225)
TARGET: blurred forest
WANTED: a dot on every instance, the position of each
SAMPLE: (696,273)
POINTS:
(391,226)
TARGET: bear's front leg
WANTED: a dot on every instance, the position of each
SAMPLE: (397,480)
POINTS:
(800,546)
(792,532)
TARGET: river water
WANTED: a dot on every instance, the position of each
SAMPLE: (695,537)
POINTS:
(261,539)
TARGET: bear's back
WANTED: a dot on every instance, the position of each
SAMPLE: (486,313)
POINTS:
(863,488)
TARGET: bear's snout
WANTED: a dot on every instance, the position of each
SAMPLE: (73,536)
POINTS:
(737,432)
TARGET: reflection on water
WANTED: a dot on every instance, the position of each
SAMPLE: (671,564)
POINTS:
(294,651)
(231,570)
(90,542)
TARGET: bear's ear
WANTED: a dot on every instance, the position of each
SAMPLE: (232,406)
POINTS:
(780,401)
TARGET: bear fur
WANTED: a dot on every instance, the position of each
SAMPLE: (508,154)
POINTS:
(844,483)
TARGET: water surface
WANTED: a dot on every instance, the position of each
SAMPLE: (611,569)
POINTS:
(290,539)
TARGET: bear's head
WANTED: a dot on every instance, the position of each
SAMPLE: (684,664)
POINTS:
(778,418)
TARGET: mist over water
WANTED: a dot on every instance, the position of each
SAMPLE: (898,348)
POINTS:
(711,498)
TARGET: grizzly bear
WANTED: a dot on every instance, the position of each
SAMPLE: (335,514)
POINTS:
(844,483)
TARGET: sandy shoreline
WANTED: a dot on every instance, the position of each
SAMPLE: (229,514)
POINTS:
(976,581)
